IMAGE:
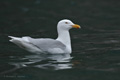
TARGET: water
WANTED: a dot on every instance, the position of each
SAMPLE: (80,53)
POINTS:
(96,46)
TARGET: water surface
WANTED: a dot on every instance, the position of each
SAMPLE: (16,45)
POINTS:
(96,46)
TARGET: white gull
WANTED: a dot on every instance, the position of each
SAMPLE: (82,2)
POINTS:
(46,45)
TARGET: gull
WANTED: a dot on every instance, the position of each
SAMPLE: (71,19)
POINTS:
(61,45)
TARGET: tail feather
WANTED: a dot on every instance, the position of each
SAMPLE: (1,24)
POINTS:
(24,43)
(14,38)
(17,41)
(11,37)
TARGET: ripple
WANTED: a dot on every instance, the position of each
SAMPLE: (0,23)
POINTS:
(54,62)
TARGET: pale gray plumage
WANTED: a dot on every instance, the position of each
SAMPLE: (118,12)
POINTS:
(46,45)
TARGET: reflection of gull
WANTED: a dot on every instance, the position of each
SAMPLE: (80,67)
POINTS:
(55,66)
(46,45)
(55,62)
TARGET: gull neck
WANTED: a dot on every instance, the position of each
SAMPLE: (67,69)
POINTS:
(64,37)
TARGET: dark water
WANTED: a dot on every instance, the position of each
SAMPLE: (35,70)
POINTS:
(96,47)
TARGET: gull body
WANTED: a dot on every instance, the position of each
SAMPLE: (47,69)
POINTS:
(60,45)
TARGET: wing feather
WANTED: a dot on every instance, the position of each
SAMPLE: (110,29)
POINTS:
(47,44)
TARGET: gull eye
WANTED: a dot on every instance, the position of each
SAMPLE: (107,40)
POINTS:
(66,22)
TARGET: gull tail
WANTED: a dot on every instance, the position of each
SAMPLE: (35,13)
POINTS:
(24,43)
(14,39)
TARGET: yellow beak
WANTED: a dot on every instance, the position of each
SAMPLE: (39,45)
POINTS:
(76,26)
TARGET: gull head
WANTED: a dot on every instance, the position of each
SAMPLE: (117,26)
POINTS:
(66,24)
